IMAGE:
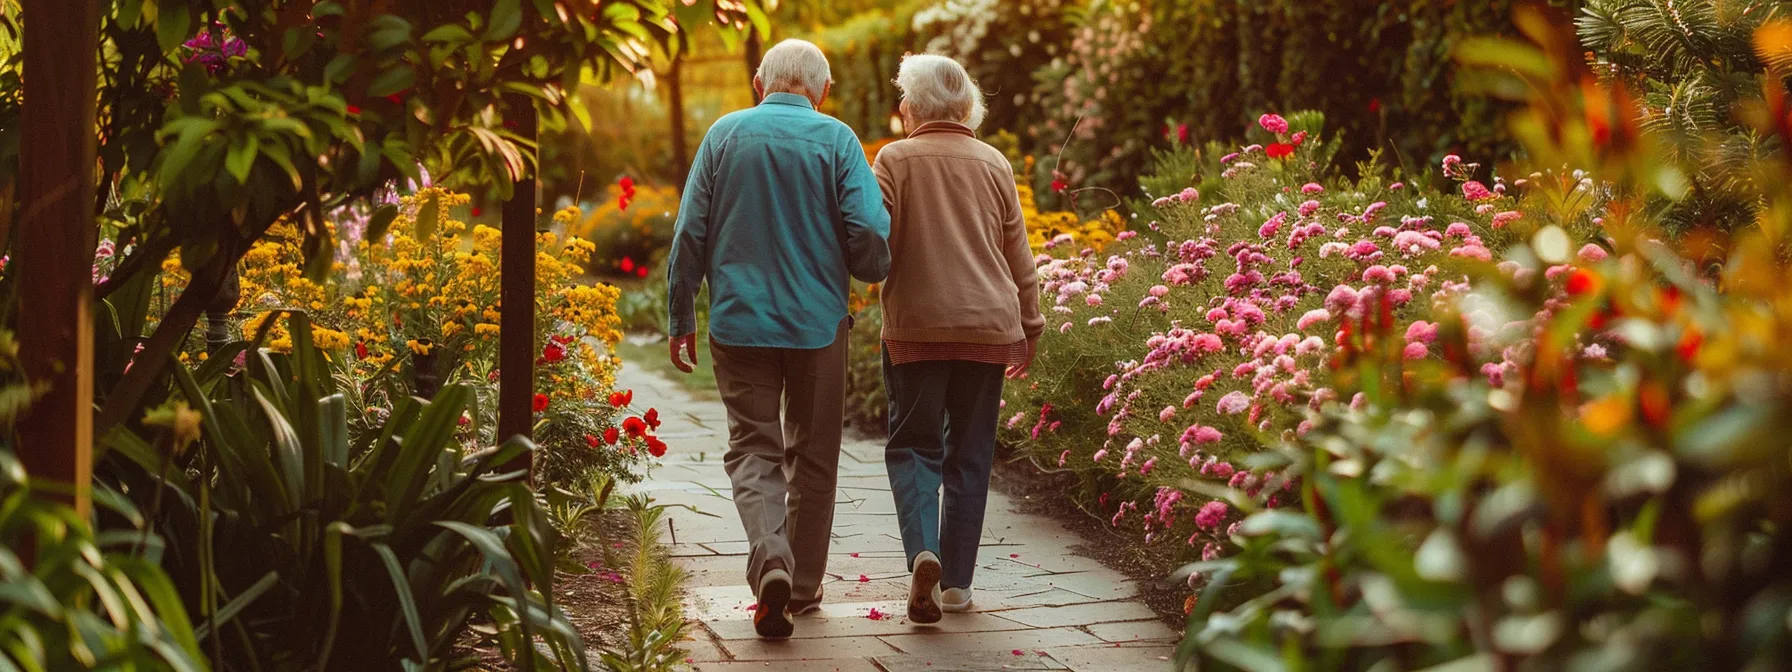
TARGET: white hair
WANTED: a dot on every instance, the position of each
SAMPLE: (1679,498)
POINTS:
(937,88)
(794,66)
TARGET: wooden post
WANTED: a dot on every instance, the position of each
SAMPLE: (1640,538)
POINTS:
(516,340)
(56,238)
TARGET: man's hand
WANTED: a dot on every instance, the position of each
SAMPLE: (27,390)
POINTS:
(689,343)
(1019,371)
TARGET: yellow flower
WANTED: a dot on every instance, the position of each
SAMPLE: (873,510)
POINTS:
(420,347)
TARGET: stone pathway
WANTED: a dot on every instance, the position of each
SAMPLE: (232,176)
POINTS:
(1039,606)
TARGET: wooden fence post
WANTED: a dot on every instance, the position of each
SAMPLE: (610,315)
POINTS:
(56,237)
(516,326)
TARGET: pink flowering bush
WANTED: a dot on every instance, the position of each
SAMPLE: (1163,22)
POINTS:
(1172,357)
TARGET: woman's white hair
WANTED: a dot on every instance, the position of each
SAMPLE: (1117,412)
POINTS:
(793,66)
(937,88)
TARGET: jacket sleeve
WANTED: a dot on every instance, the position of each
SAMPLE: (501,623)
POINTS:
(688,262)
(1019,253)
(867,221)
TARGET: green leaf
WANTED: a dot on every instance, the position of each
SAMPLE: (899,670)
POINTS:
(499,561)
(172,22)
(507,17)
(380,221)
(241,158)
(235,606)
(408,603)
(387,32)
(392,80)
(450,32)
(428,216)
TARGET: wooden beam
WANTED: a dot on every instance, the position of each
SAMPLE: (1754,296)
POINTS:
(516,339)
(56,238)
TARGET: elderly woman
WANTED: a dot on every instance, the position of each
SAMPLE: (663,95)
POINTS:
(960,309)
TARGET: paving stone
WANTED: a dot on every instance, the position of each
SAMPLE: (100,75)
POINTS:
(1110,658)
(980,661)
(1081,614)
(702,648)
(849,620)
(953,642)
(831,665)
(688,550)
(1049,597)
(808,649)
(1151,631)
(1104,584)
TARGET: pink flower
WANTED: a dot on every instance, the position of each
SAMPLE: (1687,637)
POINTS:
(1273,123)
(1591,254)
(1475,252)
(1233,403)
(1311,188)
(1421,332)
(1099,454)
(1501,219)
(1166,414)
(1341,299)
(1092,299)
(1212,514)
(1312,317)
(1415,350)
(1475,191)
(1308,208)
(1159,291)
(1378,274)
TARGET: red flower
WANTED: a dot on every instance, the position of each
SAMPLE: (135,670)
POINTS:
(656,447)
(627,265)
(635,427)
(541,402)
(1182,133)
(623,201)
(628,185)
(1279,150)
(354,109)
(1059,185)
(563,340)
(1689,346)
(590,440)
(361,350)
(1374,105)
(477,211)
(641,272)
(553,353)
(622,399)
(464,421)
(1581,282)
(611,435)
(653,418)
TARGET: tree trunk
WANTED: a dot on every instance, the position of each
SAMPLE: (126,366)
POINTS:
(754,54)
(681,151)
(56,238)
(516,341)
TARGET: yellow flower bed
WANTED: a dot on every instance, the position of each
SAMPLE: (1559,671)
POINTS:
(1042,227)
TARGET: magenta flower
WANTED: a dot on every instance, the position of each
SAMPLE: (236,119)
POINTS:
(1591,253)
(1273,123)
(1211,515)
(1475,191)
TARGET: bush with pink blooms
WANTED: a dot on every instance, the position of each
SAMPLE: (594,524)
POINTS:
(1193,342)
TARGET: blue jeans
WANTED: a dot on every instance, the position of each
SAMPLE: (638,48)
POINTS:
(943,419)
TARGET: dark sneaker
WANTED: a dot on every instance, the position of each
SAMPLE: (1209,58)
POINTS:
(806,607)
(924,589)
(772,619)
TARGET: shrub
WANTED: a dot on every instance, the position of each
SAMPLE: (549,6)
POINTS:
(300,540)
(1204,337)
(630,231)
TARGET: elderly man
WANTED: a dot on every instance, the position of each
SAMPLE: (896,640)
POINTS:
(779,209)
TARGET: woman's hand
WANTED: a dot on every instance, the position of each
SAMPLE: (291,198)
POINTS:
(1019,371)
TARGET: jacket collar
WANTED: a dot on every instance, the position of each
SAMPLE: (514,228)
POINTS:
(786,98)
(943,127)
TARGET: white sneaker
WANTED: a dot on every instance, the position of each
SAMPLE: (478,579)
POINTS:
(956,600)
(924,589)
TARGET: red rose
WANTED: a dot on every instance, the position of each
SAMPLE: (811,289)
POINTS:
(611,435)
(361,350)
(541,402)
(622,399)
(635,427)
(653,418)
(656,447)
(553,353)
(1279,150)
(590,440)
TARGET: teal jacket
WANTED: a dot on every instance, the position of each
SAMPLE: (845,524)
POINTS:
(780,208)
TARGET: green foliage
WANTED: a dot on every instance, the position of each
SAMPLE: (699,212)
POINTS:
(655,595)
(301,542)
(1692,64)
(85,600)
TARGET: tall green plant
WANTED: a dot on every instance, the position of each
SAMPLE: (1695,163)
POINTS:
(303,545)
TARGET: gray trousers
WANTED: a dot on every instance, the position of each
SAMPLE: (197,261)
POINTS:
(784,469)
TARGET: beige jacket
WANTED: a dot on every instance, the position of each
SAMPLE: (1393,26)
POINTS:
(960,267)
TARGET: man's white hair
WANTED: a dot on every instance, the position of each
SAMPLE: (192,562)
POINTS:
(937,88)
(794,66)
